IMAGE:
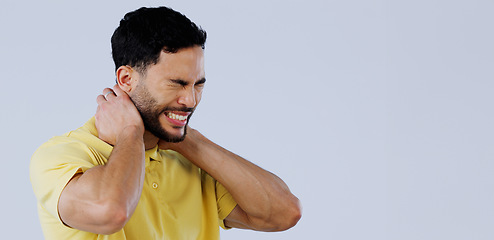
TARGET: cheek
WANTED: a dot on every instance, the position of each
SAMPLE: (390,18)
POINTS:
(168,97)
(198,97)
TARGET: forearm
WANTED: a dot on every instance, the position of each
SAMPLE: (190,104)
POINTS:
(104,197)
(263,196)
(121,179)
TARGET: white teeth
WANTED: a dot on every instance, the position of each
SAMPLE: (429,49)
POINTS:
(176,116)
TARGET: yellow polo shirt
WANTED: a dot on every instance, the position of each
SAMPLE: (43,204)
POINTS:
(178,200)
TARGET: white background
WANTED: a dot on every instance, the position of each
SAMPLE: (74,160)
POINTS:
(377,114)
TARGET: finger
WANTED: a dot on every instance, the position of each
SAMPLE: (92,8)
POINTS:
(106,90)
(118,91)
(100,99)
(108,94)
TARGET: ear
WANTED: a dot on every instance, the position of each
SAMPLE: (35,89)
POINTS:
(126,78)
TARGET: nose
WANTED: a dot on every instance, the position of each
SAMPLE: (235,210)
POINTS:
(187,98)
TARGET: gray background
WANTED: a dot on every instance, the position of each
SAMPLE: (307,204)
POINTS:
(377,114)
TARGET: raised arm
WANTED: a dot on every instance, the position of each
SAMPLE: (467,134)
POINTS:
(102,199)
(264,201)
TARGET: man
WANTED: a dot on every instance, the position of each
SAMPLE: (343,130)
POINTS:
(137,170)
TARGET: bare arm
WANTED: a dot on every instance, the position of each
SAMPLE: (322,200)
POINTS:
(264,201)
(102,199)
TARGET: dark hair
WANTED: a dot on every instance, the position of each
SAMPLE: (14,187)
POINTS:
(145,32)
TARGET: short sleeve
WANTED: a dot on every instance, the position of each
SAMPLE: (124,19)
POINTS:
(225,203)
(53,165)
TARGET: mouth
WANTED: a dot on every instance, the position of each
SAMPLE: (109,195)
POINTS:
(177,118)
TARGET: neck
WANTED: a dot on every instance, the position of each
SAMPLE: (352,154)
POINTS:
(150,141)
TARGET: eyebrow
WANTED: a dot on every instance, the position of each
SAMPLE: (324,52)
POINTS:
(185,83)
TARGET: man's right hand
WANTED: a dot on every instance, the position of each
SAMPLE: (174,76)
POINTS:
(103,198)
(116,113)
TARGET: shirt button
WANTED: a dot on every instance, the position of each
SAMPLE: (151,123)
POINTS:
(155,185)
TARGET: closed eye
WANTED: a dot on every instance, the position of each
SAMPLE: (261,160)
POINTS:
(201,82)
(184,83)
(179,82)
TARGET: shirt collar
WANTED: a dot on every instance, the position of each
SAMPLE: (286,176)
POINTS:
(89,134)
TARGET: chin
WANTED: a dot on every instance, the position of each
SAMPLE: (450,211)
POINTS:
(175,139)
(175,135)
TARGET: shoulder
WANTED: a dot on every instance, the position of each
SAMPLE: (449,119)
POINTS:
(59,145)
(79,146)
(66,151)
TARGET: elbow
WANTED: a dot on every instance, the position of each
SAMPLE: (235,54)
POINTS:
(296,214)
(285,218)
(103,218)
(113,218)
(291,216)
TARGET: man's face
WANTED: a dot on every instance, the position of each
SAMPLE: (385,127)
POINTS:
(168,92)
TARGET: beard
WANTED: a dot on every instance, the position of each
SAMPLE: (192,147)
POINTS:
(150,114)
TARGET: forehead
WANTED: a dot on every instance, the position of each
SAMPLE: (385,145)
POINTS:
(186,64)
